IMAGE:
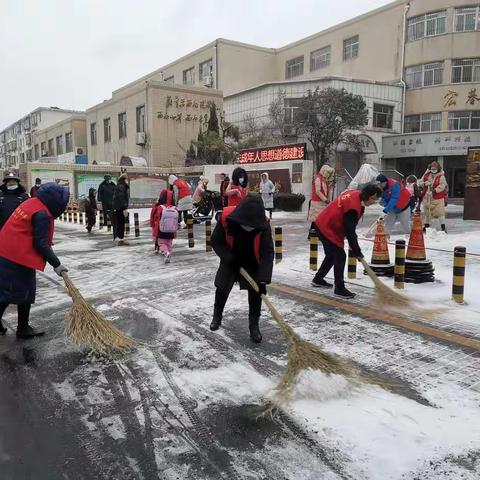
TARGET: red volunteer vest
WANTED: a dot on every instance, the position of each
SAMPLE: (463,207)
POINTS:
(436,182)
(234,200)
(404,198)
(184,189)
(229,238)
(324,188)
(330,220)
(16,237)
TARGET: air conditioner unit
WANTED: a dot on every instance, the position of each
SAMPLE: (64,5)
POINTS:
(141,138)
(79,151)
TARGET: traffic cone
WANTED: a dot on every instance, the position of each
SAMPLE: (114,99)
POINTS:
(380,262)
(416,243)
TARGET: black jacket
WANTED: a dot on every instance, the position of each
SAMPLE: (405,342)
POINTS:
(105,194)
(250,212)
(121,196)
(9,201)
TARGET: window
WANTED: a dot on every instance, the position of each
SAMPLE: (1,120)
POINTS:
(463,120)
(427,25)
(141,118)
(294,67)
(51,151)
(205,70)
(44,149)
(189,76)
(292,110)
(466,71)
(59,142)
(122,125)
(350,47)
(467,19)
(93,133)
(68,142)
(320,58)
(427,122)
(107,130)
(382,116)
(36,150)
(424,75)
(170,80)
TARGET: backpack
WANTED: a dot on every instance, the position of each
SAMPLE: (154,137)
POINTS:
(169,220)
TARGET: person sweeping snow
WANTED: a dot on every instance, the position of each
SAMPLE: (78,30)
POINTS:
(25,246)
(164,223)
(243,238)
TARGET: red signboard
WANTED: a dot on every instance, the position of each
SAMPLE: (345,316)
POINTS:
(295,151)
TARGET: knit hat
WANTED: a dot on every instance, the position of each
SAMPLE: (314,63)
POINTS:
(10,176)
(381,178)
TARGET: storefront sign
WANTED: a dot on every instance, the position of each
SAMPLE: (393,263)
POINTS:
(295,151)
(429,144)
(471,209)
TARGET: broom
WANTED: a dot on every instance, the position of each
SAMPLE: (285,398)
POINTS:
(86,326)
(302,355)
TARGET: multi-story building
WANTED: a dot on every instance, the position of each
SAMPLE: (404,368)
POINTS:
(16,141)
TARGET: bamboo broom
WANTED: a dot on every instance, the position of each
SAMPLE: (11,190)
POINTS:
(86,326)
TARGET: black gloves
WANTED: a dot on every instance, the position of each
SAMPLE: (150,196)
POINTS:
(262,288)
(357,253)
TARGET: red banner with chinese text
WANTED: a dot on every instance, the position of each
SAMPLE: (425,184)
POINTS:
(295,151)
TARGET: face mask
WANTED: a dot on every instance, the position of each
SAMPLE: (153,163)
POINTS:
(241,180)
(247,228)
(12,187)
(434,170)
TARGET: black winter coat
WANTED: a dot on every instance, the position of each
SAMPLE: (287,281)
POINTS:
(9,201)
(121,196)
(250,212)
(105,194)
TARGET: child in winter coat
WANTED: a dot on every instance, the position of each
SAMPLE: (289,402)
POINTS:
(91,209)
(164,223)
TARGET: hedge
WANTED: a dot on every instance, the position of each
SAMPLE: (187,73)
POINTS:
(289,202)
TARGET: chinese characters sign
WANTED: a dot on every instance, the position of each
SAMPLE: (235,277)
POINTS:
(295,151)
(190,110)
(451,97)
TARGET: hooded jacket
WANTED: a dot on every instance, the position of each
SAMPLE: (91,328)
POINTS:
(105,194)
(121,195)
(267,189)
(10,200)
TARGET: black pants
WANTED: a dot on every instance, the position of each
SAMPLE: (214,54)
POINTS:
(254,302)
(23,313)
(118,224)
(334,257)
(185,215)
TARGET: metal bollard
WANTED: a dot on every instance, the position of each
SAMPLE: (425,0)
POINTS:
(278,245)
(136,224)
(313,252)
(399,276)
(127,224)
(70,215)
(75,216)
(101,220)
(352,265)
(191,241)
(81,217)
(458,287)
(208,235)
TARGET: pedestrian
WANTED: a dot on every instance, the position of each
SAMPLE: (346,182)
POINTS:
(396,203)
(34,189)
(414,190)
(237,188)
(164,223)
(322,187)
(121,200)
(12,194)
(182,197)
(435,193)
(224,181)
(105,196)
(91,209)
(243,238)
(200,190)
(267,189)
(25,246)
(336,222)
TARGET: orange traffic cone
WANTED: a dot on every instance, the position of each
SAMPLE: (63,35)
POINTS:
(380,255)
(416,243)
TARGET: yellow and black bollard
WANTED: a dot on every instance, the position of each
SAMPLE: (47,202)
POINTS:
(109,223)
(70,218)
(352,265)
(278,245)
(191,241)
(75,216)
(81,217)
(127,224)
(208,235)
(101,220)
(399,275)
(458,287)
(313,252)
(136,223)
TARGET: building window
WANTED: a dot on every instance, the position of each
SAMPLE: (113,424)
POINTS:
(189,76)
(467,19)
(51,151)
(36,150)
(122,125)
(427,122)
(170,80)
(205,71)
(382,116)
(141,118)
(463,120)
(424,75)
(466,71)
(107,130)
(68,142)
(427,25)
(93,133)
(59,142)
(294,67)
(292,110)
(350,47)
(43,149)
(320,58)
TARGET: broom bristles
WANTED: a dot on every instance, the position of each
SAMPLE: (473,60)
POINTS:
(86,326)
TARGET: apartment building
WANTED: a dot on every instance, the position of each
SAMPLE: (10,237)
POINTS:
(16,141)
(152,122)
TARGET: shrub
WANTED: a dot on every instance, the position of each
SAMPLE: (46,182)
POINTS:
(289,202)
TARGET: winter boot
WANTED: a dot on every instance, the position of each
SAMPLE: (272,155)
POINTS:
(321,283)
(443,227)
(341,291)
(167,257)
(427,225)
(216,320)
(255,335)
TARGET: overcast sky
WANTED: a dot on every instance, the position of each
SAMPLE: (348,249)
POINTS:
(73,53)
